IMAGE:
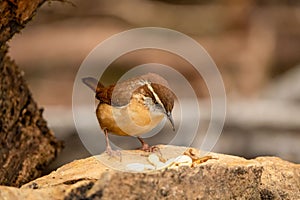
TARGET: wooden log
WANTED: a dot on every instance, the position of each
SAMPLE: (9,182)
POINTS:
(26,143)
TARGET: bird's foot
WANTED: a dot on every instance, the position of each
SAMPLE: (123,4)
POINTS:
(147,148)
(113,153)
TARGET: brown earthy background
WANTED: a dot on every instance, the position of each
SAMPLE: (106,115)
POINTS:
(256,47)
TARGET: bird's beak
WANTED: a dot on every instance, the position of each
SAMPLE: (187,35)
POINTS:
(170,118)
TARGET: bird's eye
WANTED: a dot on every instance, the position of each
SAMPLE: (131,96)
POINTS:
(158,104)
(155,102)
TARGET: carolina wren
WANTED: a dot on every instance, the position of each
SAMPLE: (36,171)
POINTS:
(133,107)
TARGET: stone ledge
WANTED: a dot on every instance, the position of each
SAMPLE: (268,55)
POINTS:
(228,177)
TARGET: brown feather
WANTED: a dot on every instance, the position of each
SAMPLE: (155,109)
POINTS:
(165,95)
(120,94)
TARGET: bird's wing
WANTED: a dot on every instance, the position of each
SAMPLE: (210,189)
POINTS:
(120,94)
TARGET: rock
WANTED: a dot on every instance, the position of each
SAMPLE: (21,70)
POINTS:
(222,177)
(280,179)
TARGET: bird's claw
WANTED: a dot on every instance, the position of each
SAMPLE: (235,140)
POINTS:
(113,153)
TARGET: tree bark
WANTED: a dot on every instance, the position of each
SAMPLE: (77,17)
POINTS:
(26,143)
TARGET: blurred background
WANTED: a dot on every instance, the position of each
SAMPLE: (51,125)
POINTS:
(255,45)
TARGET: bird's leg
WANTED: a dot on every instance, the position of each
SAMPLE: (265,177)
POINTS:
(109,150)
(108,147)
(146,147)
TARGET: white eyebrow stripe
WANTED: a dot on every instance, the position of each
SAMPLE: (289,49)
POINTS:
(155,95)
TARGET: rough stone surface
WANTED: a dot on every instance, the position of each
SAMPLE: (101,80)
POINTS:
(280,179)
(224,177)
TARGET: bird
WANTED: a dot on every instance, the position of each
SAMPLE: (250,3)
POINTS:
(132,107)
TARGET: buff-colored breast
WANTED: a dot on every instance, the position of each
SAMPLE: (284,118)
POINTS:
(133,119)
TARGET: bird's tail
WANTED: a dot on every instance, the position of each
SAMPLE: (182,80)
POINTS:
(92,83)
